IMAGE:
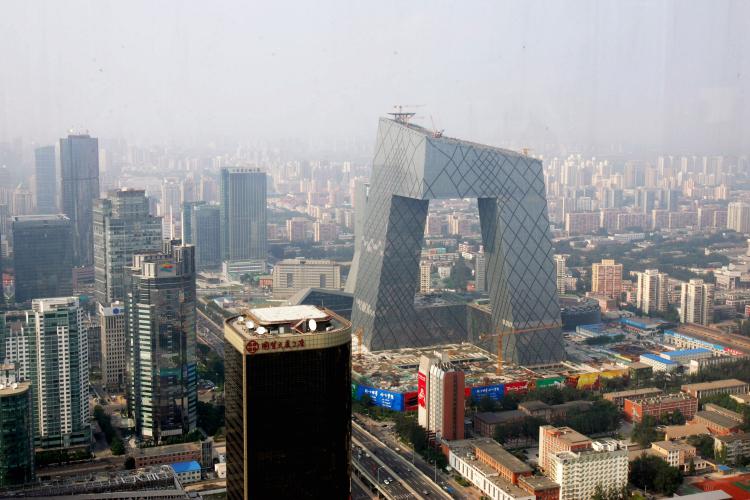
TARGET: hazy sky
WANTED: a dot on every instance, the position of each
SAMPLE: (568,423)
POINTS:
(671,75)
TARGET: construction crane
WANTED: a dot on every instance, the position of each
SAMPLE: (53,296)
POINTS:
(500,335)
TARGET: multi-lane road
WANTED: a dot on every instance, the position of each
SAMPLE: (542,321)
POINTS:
(210,332)
(414,481)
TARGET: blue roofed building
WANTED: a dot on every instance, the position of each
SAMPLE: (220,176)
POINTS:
(658,363)
(187,472)
(684,356)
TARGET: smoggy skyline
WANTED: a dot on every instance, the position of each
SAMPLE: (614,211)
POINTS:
(595,75)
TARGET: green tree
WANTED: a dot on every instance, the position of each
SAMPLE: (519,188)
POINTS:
(117,447)
(644,432)
(653,473)
(130,463)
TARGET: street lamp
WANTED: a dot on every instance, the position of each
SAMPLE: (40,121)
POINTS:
(378,472)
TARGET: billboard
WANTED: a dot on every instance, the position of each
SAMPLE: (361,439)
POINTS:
(410,401)
(381,397)
(587,380)
(549,382)
(422,389)
(495,392)
(517,386)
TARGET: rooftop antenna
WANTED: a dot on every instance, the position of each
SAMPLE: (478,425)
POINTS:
(402,116)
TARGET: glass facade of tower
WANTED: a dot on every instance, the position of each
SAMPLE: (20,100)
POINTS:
(123,227)
(243,213)
(16,434)
(45,180)
(303,450)
(206,236)
(160,312)
(413,165)
(42,257)
(79,169)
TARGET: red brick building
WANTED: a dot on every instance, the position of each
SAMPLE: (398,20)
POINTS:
(657,406)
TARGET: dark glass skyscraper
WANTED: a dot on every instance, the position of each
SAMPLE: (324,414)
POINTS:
(288,403)
(412,166)
(123,227)
(160,315)
(16,428)
(79,168)
(205,226)
(45,186)
(243,213)
(42,256)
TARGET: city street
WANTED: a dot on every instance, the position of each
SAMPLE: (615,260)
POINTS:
(385,435)
(210,332)
(404,469)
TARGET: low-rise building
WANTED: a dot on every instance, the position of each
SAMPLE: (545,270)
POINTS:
(167,454)
(464,459)
(657,406)
(675,453)
(542,487)
(485,422)
(716,423)
(724,411)
(728,386)
(658,363)
(684,356)
(672,432)
(495,456)
(580,473)
(619,397)
(733,446)
(187,472)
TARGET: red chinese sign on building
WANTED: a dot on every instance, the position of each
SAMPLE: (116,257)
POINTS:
(422,389)
(254,346)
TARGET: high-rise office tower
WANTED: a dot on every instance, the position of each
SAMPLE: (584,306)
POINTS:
(652,291)
(201,226)
(113,346)
(169,206)
(42,256)
(79,169)
(697,302)
(606,278)
(281,364)
(243,213)
(160,315)
(359,198)
(49,347)
(16,428)
(123,227)
(738,218)
(561,272)
(205,228)
(440,396)
(187,215)
(45,180)
(413,166)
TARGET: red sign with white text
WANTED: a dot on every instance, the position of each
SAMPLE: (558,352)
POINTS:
(422,389)
(254,346)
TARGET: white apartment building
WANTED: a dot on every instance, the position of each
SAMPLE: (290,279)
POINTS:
(578,474)
(561,273)
(738,217)
(697,302)
(652,291)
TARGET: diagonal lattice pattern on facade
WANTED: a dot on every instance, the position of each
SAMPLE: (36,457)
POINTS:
(411,167)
